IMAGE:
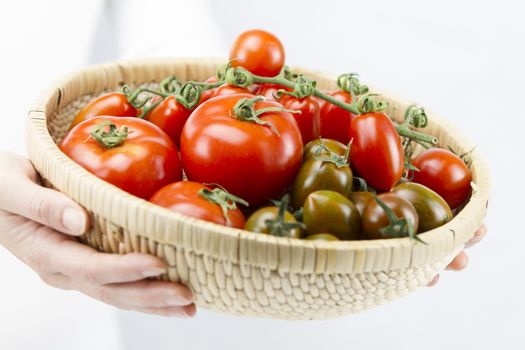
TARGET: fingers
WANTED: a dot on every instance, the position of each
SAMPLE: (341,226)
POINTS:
(51,208)
(459,262)
(183,312)
(434,281)
(478,236)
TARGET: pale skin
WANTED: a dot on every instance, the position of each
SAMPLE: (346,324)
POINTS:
(38,226)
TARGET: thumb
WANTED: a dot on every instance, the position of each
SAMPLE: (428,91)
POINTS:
(23,197)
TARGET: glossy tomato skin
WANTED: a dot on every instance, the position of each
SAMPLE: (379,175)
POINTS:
(313,148)
(308,120)
(335,121)
(206,95)
(182,197)
(445,173)
(170,116)
(226,89)
(316,175)
(147,160)
(375,218)
(257,221)
(329,211)
(247,159)
(269,91)
(360,200)
(112,104)
(376,150)
(432,210)
(258,51)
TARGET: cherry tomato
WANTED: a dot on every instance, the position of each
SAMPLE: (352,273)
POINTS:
(317,175)
(376,150)
(432,210)
(112,104)
(258,222)
(321,237)
(309,118)
(360,200)
(170,116)
(248,159)
(226,89)
(206,95)
(258,51)
(375,218)
(335,121)
(314,148)
(199,201)
(141,162)
(329,211)
(445,173)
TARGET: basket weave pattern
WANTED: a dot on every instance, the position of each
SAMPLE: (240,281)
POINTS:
(232,270)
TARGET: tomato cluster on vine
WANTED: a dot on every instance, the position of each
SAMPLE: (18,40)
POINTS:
(262,148)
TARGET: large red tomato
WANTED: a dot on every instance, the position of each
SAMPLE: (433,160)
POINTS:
(140,160)
(170,116)
(335,121)
(376,150)
(253,161)
(230,90)
(258,51)
(309,120)
(200,201)
(445,173)
(114,104)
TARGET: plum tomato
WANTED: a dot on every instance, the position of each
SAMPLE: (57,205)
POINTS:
(335,121)
(318,148)
(309,119)
(274,221)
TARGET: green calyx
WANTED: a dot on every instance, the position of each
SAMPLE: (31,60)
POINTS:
(368,104)
(337,159)
(349,82)
(222,198)
(108,135)
(397,227)
(278,226)
(303,87)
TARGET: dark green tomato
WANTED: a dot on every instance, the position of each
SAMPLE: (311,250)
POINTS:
(431,208)
(321,237)
(316,175)
(329,211)
(375,218)
(257,221)
(360,200)
(313,147)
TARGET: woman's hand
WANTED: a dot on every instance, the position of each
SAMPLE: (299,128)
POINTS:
(461,260)
(38,224)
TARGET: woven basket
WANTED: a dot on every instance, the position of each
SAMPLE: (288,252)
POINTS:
(232,270)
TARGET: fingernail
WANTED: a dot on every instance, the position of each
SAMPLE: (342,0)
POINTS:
(177,301)
(153,272)
(74,221)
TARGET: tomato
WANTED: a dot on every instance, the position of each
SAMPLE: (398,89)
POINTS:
(329,211)
(321,237)
(376,150)
(170,116)
(270,90)
(199,201)
(375,219)
(360,200)
(206,95)
(230,90)
(113,104)
(248,159)
(258,51)
(315,148)
(317,175)
(261,221)
(445,173)
(432,210)
(335,121)
(141,162)
(309,118)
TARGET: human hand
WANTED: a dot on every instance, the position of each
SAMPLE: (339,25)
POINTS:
(37,225)
(461,260)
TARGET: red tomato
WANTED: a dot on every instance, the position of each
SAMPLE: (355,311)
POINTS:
(248,159)
(183,197)
(141,163)
(206,95)
(269,91)
(170,116)
(259,52)
(226,89)
(114,104)
(445,173)
(376,150)
(335,121)
(309,119)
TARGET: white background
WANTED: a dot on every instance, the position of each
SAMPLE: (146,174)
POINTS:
(462,59)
